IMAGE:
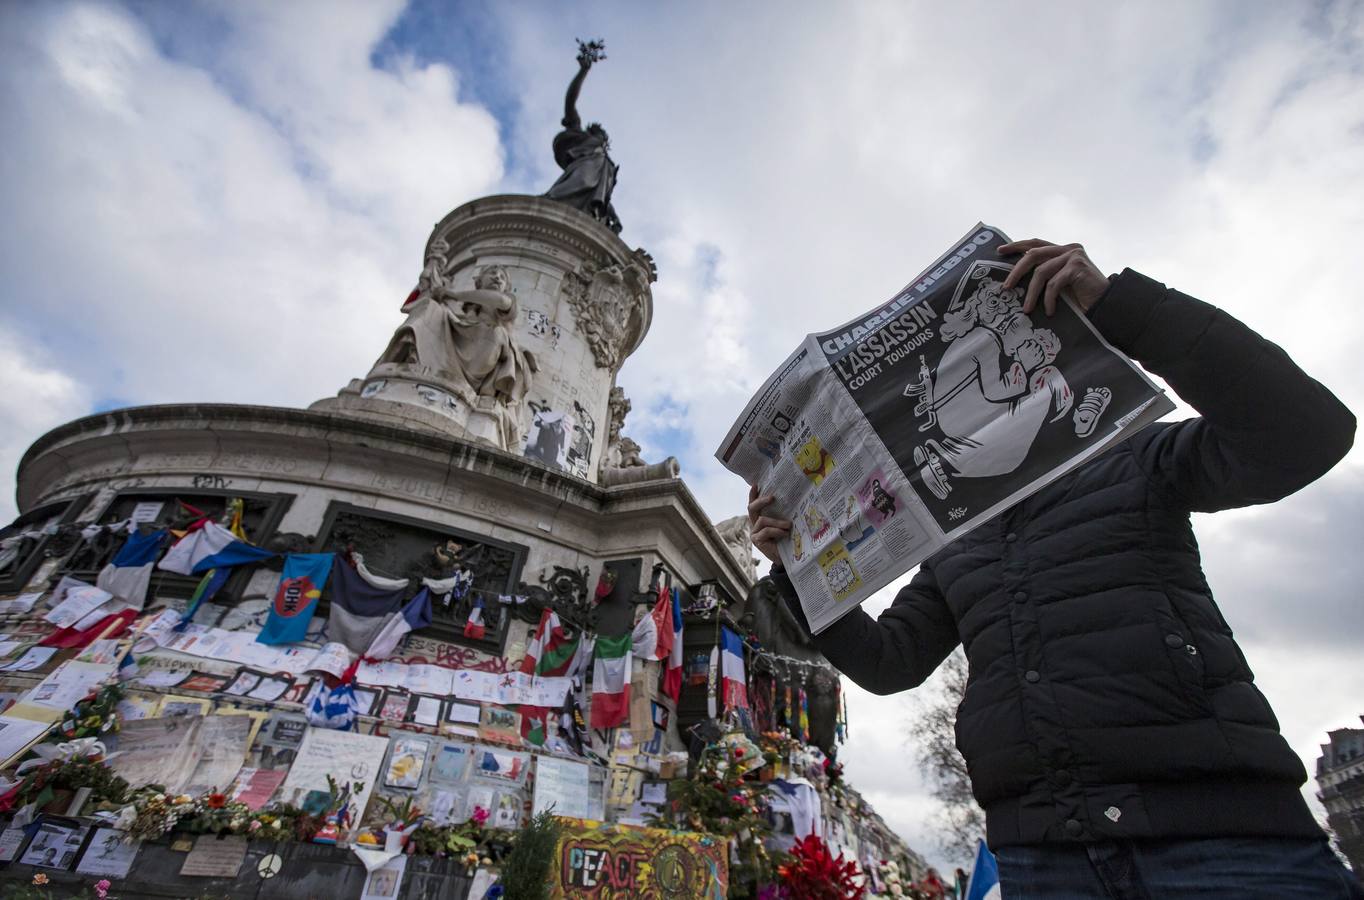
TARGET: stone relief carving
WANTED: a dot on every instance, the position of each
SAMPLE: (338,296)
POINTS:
(563,590)
(617,408)
(627,454)
(432,279)
(607,304)
(734,532)
(468,339)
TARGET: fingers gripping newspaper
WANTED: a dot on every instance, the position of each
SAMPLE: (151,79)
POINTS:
(900,431)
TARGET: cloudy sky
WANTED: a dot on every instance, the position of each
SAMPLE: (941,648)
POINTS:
(225,201)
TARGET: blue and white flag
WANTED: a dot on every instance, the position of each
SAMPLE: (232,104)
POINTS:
(210,547)
(300,586)
(984,883)
(333,707)
(415,614)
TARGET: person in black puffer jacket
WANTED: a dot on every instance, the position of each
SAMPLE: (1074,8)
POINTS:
(1111,726)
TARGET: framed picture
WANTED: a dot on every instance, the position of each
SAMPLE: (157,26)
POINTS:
(395,705)
(425,710)
(497,723)
(406,761)
(298,690)
(458,712)
(245,681)
(449,762)
(204,684)
(500,764)
(507,810)
(55,844)
(385,882)
(172,706)
(270,688)
(108,854)
(367,700)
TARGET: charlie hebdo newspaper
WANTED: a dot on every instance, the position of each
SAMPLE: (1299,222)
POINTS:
(900,431)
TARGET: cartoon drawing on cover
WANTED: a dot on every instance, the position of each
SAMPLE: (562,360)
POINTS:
(994,387)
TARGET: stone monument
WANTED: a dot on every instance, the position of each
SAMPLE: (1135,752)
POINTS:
(487,436)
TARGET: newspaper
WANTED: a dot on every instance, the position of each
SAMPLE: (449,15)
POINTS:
(898,432)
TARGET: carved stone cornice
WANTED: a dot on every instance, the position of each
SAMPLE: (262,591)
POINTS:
(608,306)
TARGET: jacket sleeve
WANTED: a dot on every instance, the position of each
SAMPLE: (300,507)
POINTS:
(893,652)
(1265,429)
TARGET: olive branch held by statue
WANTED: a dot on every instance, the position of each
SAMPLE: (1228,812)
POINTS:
(590,52)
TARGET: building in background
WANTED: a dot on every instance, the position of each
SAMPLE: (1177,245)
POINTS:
(1340,777)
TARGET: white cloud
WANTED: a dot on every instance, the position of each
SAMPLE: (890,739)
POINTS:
(37,396)
(234,233)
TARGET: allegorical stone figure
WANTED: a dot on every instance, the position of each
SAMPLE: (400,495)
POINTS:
(466,338)
(589,174)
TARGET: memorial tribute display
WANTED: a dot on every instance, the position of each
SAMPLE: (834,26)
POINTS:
(445,628)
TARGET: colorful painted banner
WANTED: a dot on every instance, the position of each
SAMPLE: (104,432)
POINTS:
(613,862)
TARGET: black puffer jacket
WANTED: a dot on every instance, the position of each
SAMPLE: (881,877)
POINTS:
(1107,698)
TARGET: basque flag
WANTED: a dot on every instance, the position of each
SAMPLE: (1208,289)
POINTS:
(550,653)
(734,686)
(300,586)
(210,547)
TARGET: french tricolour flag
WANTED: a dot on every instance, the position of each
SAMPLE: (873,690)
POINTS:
(734,687)
(473,626)
(416,613)
(984,883)
(128,576)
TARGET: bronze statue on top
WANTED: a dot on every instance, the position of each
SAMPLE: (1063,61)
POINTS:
(589,174)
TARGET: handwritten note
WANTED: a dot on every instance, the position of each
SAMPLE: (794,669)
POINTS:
(561,785)
(33,659)
(345,755)
(73,600)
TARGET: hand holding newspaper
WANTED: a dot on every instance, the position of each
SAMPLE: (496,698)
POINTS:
(898,432)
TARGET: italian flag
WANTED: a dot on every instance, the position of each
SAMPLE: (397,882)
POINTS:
(549,653)
(611,681)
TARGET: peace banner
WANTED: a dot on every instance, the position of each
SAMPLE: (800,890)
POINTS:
(612,862)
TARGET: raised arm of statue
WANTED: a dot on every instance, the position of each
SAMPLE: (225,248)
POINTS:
(588,53)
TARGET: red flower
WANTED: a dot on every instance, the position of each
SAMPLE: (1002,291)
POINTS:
(814,871)
(216,801)
(738,752)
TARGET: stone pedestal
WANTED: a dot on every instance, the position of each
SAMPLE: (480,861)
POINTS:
(584,305)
